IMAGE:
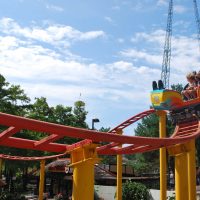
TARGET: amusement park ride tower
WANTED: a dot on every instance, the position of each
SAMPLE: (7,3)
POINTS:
(165,73)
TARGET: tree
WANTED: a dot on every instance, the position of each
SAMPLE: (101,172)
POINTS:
(80,114)
(178,87)
(149,127)
(135,191)
(13,100)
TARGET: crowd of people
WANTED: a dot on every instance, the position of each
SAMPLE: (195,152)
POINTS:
(190,90)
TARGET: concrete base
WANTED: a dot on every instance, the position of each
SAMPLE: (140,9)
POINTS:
(108,192)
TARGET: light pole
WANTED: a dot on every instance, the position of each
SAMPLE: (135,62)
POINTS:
(95,120)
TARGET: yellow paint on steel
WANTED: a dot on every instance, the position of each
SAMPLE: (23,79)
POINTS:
(83,160)
(42,175)
(163,168)
(192,171)
(181,177)
(119,173)
(178,149)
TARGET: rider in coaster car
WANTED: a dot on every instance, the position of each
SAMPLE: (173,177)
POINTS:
(189,91)
(160,85)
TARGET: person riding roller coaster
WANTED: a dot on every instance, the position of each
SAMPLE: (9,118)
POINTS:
(159,86)
(179,109)
(190,90)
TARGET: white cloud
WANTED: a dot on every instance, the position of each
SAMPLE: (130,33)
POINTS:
(157,36)
(176,8)
(140,55)
(162,2)
(48,74)
(54,8)
(53,34)
(120,40)
(184,52)
(43,71)
(108,19)
(180,9)
(116,8)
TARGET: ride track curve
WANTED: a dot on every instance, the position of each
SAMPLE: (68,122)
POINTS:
(183,133)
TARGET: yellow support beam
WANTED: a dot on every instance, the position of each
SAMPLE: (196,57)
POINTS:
(192,171)
(42,175)
(119,173)
(185,170)
(83,160)
(163,160)
(181,177)
(177,149)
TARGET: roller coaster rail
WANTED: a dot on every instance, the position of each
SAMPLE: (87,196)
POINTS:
(183,133)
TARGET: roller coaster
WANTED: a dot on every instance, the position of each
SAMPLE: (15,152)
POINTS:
(186,130)
(179,110)
(136,144)
(84,154)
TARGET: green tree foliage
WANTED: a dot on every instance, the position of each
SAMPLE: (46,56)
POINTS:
(80,114)
(177,87)
(102,129)
(135,191)
(13,100)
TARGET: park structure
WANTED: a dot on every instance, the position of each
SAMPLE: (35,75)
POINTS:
(84,154)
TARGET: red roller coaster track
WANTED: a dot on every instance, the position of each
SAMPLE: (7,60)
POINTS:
(183,133)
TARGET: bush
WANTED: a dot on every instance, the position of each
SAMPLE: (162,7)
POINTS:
(6,195)
(135,191)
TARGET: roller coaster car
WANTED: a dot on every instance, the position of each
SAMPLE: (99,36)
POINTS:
(172,101)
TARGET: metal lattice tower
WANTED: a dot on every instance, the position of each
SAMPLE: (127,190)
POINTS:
(197,20)
(165,74)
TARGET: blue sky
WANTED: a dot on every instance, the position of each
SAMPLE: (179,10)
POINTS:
(107,51)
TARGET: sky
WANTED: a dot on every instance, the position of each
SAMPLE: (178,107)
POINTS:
(105,53)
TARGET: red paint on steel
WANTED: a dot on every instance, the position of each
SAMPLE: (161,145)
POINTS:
(9,157)
(131,120)
(188,129)
(125,124)
(137,144)
(47,140)
(29,144)
(8,132)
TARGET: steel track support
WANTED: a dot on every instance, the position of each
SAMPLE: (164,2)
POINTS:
(42,176)
(119,172)
(192,171)
(163,160)
(83,160)
(185,170)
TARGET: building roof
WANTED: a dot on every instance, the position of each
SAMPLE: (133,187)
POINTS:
(60,165)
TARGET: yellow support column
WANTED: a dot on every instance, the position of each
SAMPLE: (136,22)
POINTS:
(181,177)
(42,175)
(83,160)
(163,162)
(119,173)
(182,168)
(192,171)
